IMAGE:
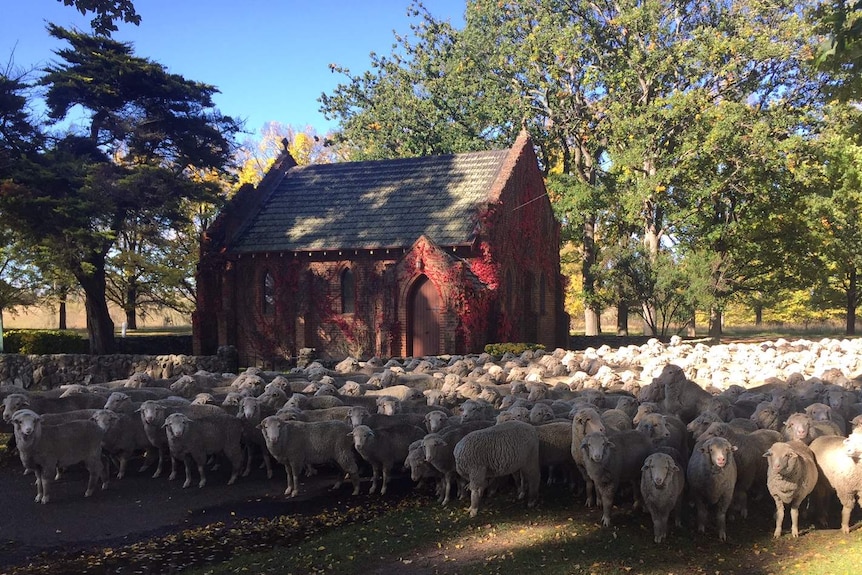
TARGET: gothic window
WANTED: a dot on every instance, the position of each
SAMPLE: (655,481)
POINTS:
(268,294)
(348,292)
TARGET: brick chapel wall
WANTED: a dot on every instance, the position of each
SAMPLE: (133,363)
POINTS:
(525,237)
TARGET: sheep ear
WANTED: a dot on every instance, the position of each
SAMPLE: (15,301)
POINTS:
(768,454)
(645,467)
(674,467)
(733,448)
(702,449)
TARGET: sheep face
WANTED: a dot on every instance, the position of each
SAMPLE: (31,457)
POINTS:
(819,412)
(249,408)
(105,419)
(13,403)
(232,399)
(659,467)
(271,429)
(388,406)
(203,399)
(434,420)
(719,450)
(27,423)
(853,446)
(362,437)
(654,426)
(596,446)
(152,413)
(798,426)
(589,422)
(782,459)
(432,446)
(117,401)
(355,415)
(351,388)
(176,424)
(765,416)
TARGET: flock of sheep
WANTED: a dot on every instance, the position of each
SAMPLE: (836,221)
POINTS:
(661,425)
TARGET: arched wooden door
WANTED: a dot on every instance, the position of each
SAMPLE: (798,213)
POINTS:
(424,306)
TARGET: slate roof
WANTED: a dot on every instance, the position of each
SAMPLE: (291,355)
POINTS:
(374,204)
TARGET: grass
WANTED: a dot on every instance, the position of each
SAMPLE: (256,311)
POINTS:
(417,536)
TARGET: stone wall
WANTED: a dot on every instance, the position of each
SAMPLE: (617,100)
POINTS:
(42,372)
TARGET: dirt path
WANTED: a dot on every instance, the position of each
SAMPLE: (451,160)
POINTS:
(132,509)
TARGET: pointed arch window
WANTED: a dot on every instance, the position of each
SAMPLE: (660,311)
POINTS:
(268,298)
(348,292)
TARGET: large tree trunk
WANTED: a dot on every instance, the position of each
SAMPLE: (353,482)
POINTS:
(62,314)
(622,318)
(758,314)
(591,315)
(100,327)
(852,301)
(715,323)
(131,306)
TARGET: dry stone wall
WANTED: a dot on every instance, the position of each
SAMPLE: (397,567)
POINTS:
(43,372)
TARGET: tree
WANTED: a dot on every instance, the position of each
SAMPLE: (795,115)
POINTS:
(129,161)
(255,157)
(107,13)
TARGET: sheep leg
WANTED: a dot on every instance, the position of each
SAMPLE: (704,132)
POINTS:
(39,486)
(289,489)
(122,468)
(447,489)
(247,469)
(267,462)
(160,464)
(44,482)
(607,495)
(721,519)
(202,472)
(478,483)
(95,471)
(295,470)
(702,515)
(385,472)
(845,517)
(794,520)
(779,518)
(188,463)
(659,526)
(375,478)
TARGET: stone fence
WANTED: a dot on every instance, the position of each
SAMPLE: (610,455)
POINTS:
(42,372)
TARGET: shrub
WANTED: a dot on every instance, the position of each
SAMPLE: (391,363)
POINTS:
(500,349)
(43,342)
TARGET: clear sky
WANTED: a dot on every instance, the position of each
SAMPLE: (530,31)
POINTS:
(269,58)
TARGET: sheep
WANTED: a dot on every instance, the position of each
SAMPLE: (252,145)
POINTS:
(840,470)
(437,420)
(361,416)
(665,430)
(251,412)
(697,426)
(801,427)
(682,397)
(555,448)
(46,448)
(313,402)
(610,461)
(296,444)
(46,404)
(661,486)
(439,453)
(341,413)
(711,477)
(750,465)
(473,409)
(510,448)
(766,416)
(196,439)
(153,414)
(822,412)
(383,447)
(791,477)
(585,421)
(644,409)
(124,436)
(420,469)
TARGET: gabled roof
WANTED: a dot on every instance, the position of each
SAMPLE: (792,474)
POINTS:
(374,204)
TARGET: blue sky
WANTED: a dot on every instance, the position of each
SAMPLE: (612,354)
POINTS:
(269,58)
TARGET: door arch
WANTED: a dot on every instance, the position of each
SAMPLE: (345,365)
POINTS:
(424,306)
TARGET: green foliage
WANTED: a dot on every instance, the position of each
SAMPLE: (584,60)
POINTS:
(500,349)
(107,12)
(43,342)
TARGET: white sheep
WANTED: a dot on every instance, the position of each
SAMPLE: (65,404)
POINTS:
(711,477)
(584,421)
(193,440)
(510,448)
(439,453)
(296,444)
(791,477)
(839,462)
(46,448)
(383,447)
(124,436)
(610,461)
(661,486)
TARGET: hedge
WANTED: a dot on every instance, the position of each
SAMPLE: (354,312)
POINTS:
(44,341)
